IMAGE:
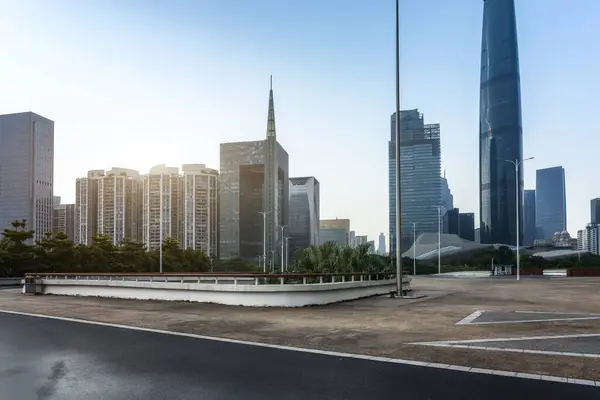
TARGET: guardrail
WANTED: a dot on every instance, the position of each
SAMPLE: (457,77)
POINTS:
(264,290)
(227,278)
(10,281)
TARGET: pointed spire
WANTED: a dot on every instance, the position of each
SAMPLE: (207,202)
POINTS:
(271,116)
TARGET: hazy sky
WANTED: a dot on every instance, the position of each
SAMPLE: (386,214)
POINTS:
(139,83)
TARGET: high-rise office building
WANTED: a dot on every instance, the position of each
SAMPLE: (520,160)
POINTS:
(450,221)
(500,129)
(595,211)
(336,230)
(304,213)
(466,226)
(63,220)
(381,249)
(420,166)
(254,180)
(591,242)
(200,211)
(107,203)
(352,239)
(529,227)
(162,206)
(26,171)
(551,202)
(447,198)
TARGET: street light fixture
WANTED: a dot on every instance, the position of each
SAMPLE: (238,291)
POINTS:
(264,257)
(517,163)
(398,238)
(160,228)
(414,224)
(282,244)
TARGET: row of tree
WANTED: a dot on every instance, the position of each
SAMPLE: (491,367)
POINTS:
(57,253)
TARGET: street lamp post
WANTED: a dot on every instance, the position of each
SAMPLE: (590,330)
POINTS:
(517,163)
(264,257)
(272,260)
(160,228)
(287,252)
(414,224)
(282,244)
(398,180)
(439,239)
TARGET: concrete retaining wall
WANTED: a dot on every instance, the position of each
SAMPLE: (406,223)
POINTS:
(289,295)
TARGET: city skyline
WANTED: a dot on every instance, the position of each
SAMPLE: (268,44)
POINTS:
(119,82)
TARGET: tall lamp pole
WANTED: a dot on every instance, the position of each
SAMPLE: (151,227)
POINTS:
(160,228)
(439,239)
(264,257)
(282,244)
(517,163)
(398,198)
(414,224)
(287,252)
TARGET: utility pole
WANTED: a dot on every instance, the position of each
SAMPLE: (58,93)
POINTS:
(272,260)
(282,244)
(439,240)
(264,214)
(399,292)
(414,224)
(287,253)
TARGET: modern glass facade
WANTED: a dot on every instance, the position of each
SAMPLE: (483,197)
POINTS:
(304,213)
(420,180)
(551,201)
(500,129)
(529,217)
(595,211)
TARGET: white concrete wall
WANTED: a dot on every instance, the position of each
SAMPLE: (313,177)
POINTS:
(293,295)
(9,281)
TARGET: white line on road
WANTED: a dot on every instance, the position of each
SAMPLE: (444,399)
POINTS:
(314,351)
(471,319)
(468,320)
(511,350)
(510,339)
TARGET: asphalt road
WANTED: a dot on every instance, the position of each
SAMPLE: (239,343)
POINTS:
(50,359)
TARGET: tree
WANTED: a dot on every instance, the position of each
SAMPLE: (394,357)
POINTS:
(17,257)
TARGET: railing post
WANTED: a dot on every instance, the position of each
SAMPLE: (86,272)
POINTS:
(304,280)
(216,280)
(362,277)
(321,279)
(255,281)
(198,279)
(281,281)
(235,281)
(343,278)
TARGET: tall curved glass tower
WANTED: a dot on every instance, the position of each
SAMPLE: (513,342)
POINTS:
(500,132)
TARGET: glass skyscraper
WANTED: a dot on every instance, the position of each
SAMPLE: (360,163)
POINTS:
(551,201)
(500,132)
(420,180)
(529,226)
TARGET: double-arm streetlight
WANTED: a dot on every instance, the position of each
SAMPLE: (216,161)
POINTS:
(264,257)
(517,163)
(414,246)
(398,238)
(439,208)
(282,244)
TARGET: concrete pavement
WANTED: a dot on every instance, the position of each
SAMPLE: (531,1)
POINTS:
(51,359)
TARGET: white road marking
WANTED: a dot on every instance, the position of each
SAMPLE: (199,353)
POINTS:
(472,318)
(510,339)
(314,351)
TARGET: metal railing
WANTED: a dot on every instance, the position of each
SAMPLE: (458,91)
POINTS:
(225,278)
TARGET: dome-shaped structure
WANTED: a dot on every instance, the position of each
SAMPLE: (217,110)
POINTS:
(564,235)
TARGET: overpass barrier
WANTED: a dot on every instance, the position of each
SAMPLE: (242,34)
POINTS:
(256,290)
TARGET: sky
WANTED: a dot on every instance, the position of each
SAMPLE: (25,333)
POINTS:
(133,83)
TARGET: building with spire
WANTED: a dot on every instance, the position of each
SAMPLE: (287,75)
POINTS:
(254,195)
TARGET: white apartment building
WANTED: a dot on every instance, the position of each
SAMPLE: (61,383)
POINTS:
(107,203)
(592,238)
(161,206)
(200,209)
(26,171)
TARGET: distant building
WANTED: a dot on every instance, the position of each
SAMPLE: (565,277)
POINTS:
(450,221)
(63,220)
(447,198)
(466,226)
(304,213)
(200,209)
(529,227)
(352,239)
(333,228)
(592,238)
(372,249)
(420,163)
(381,249)
(477,235)
(254,179)
(27,171)
(361,239)
(595,211)
(56,200)
(551,203)
(336,235)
